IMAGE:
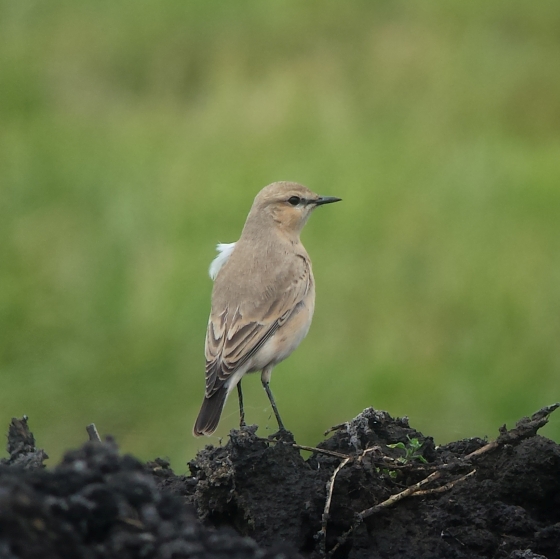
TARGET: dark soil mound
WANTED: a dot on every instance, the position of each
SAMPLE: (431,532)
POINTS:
(375,488)
(97,504)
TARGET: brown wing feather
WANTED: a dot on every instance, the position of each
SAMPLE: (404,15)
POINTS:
(235,333)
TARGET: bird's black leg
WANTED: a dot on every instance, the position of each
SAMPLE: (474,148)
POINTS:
(273,403)
(241,410)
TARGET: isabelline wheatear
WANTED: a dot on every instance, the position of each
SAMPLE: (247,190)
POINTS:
(263,298)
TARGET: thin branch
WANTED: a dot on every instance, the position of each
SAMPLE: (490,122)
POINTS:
(334,428)
(399,496)
(367,451)
(443,488)
(322,535)
(322,451)
(524,428)
(388,502)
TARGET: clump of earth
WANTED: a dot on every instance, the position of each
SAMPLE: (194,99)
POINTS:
(374,487)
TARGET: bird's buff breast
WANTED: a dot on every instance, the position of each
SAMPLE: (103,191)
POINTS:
(286,339)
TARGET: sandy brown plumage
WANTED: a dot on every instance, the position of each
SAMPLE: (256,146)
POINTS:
(263,298)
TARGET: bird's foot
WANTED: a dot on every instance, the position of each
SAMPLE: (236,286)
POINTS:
(282,435)
(244,432)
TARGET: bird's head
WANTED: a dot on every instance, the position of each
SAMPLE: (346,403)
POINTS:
(286,205)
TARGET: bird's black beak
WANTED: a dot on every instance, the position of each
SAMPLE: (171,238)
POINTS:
(326,200)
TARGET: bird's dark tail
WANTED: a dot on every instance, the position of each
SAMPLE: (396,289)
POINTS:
(210,412)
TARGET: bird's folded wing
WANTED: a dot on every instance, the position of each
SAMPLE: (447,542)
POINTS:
(237,332)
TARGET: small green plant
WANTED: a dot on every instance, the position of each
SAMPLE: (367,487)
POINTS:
(393,474)
(411,451)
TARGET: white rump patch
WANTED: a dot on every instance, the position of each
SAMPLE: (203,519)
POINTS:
(224,252)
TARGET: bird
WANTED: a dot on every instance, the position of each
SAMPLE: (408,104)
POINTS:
(263,298)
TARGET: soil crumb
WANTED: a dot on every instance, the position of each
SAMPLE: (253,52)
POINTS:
(375,488)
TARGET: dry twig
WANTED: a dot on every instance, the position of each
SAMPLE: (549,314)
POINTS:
(321,451)
(334,428)
(322,535)
(525,428)
(443,488)
(93,433)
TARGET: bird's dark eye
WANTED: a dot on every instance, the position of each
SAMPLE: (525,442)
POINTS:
(294,200)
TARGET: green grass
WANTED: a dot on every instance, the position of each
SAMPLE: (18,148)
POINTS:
(134,137)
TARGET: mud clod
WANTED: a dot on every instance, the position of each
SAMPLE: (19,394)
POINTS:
(21,447)
(99,504)
(375,488)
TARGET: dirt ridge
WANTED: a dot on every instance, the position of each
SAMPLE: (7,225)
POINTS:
(375,488)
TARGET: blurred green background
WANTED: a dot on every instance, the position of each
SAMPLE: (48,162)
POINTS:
(134,136)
